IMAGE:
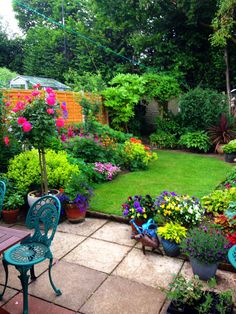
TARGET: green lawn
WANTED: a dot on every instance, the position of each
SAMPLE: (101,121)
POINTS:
(174,171)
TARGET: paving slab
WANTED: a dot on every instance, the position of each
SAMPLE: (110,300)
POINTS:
(9,293)
(115,232)
(36,306)
(119,295)
(151,269)
(97,254)
(77,284)
(64,243)
(86,228)
(225,279)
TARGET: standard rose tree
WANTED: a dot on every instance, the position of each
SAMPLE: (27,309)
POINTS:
(33,121)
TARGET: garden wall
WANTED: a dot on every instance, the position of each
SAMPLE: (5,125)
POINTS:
(72,100)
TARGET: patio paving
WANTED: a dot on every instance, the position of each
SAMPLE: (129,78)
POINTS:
(100,270)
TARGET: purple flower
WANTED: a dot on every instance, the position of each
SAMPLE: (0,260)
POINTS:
(136,204)
(126,212)
(139,210)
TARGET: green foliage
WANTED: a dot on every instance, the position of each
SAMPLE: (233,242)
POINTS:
(169,124)
(24,170)
(135,156)
(90,110)
(196,141)
(161,139)
(91,151)
(201,108)
(77,184)
(218,201)
(172,232)
(230,147)
(13,202)
(87,81)
(5,76)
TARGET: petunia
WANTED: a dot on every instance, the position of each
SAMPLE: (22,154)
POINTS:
(27,126)
(60,122)
(51,101)
(21,120)
(6,140)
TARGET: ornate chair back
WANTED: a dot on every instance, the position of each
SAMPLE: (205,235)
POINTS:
(2,194)
(43,217)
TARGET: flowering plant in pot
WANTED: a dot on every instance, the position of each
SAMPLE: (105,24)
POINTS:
(171,235)
(185,209)
(75,198)
(33,121)
(11,206)
(206,246)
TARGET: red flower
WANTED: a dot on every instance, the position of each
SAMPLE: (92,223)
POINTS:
(63,137)
(36,86)
(27,126)
(63,106)
(51,101)
(60,122)
(231,237)
(21,120)
(6,140)
(35,93)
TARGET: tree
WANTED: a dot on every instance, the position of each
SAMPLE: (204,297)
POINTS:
(5,77)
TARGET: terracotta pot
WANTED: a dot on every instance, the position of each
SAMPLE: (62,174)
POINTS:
(10,216)
(74,213)
(33,196)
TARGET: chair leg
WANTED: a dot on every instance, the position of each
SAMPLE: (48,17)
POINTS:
(32,273)
(24,278)
(57,291)
(5,265)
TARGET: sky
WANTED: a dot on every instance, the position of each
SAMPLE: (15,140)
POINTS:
(8,18)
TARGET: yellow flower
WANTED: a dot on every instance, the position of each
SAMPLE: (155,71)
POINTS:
(132,210)
(145,215)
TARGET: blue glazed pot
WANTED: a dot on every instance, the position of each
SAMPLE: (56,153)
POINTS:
(204,271)
(171,248)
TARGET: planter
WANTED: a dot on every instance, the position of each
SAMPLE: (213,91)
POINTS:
(187,309)
(204,271)
(10,216)
(33,196)
(230,157)
(171,248)
(74,213)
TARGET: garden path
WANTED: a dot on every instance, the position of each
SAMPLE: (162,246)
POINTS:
(100,270)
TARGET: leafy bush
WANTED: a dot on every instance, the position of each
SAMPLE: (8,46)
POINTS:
(135,155)
(230,180)
(161,139)
(91,150)
(218,201)
(201,108)
(172,232)
(169,124)
(196,141)
(230,147)
(24,170)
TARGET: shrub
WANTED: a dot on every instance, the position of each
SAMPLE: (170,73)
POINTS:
(161,139)
(172,232)
(24,170)
(136,156)
(230,180)
(230,147)
(169,124)
(218,201)
(196,141)
(200,108)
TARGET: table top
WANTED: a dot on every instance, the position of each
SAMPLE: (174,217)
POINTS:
(11,236)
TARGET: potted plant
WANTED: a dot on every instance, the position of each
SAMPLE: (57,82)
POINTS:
(75,198)
(189,296)
(33,121)
(140,208)
(206,247)
(230,151)
(11,207)
(171,235)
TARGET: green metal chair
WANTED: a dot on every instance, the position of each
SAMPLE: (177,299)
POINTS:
(232,255)
(2,194)
(43,217)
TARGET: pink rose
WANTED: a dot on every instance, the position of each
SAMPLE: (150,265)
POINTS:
(51,101)
(35,93)
(50,111)
(27,126)
(21,120)
(6,140)
(49,90)
(60,122)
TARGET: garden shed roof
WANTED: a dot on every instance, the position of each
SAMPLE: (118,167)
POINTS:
(26,82)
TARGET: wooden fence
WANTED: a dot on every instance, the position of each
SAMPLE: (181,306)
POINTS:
(72,100)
